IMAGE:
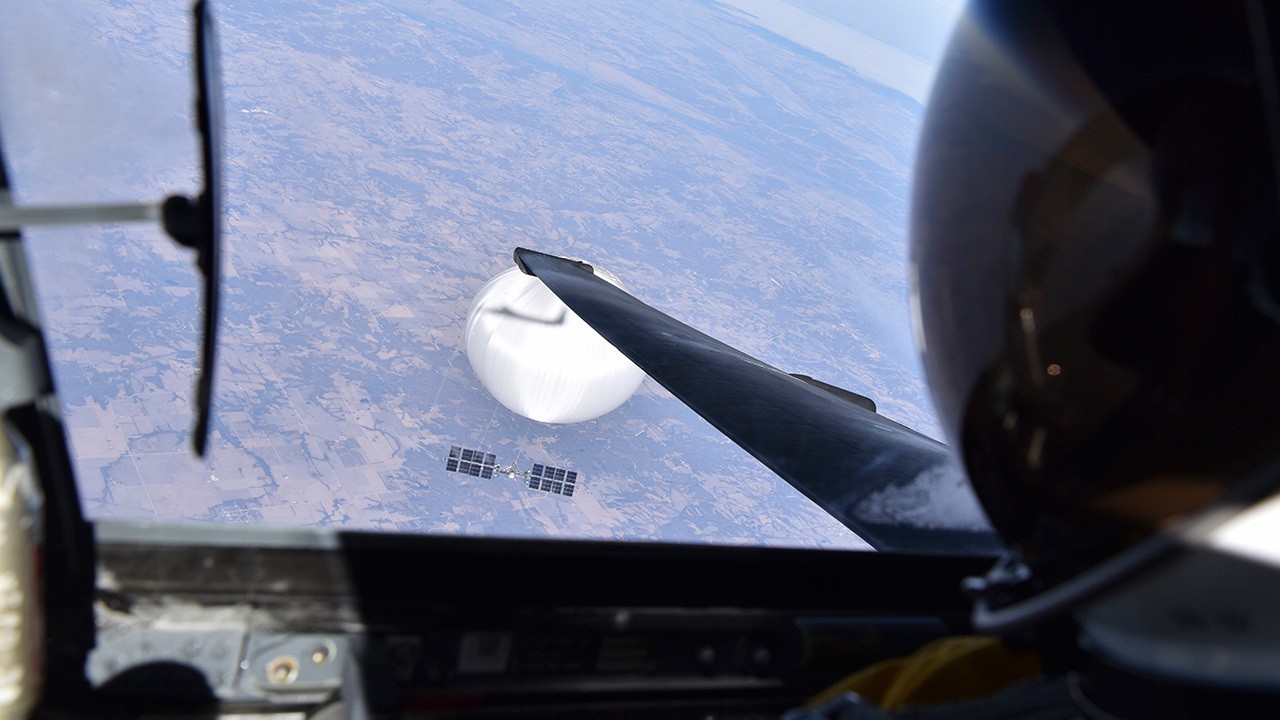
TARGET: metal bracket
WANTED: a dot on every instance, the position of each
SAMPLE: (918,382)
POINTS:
(14,218)
(22,369)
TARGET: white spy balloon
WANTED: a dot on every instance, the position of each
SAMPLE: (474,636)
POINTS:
(540,359)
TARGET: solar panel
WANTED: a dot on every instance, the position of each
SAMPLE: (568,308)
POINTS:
(480,464)
(474,463)
(553,480)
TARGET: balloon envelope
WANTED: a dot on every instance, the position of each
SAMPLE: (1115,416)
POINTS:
(538,358)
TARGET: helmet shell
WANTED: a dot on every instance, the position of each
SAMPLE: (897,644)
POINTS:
(1094,260)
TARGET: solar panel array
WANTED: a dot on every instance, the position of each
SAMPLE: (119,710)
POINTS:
(553,480)
(470,462)
(546,478)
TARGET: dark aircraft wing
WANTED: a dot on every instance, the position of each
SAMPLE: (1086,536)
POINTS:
(897,489)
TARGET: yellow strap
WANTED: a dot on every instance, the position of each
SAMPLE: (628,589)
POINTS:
(947,670)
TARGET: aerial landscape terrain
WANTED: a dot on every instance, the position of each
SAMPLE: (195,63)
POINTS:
(744,169)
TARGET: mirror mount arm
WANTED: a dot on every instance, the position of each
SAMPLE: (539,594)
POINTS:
(14,218)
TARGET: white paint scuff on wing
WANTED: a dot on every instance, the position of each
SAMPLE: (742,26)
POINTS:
(938,498)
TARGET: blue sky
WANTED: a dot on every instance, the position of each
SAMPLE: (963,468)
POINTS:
(898,44)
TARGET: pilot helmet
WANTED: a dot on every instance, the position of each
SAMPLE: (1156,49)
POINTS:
(1096,267)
